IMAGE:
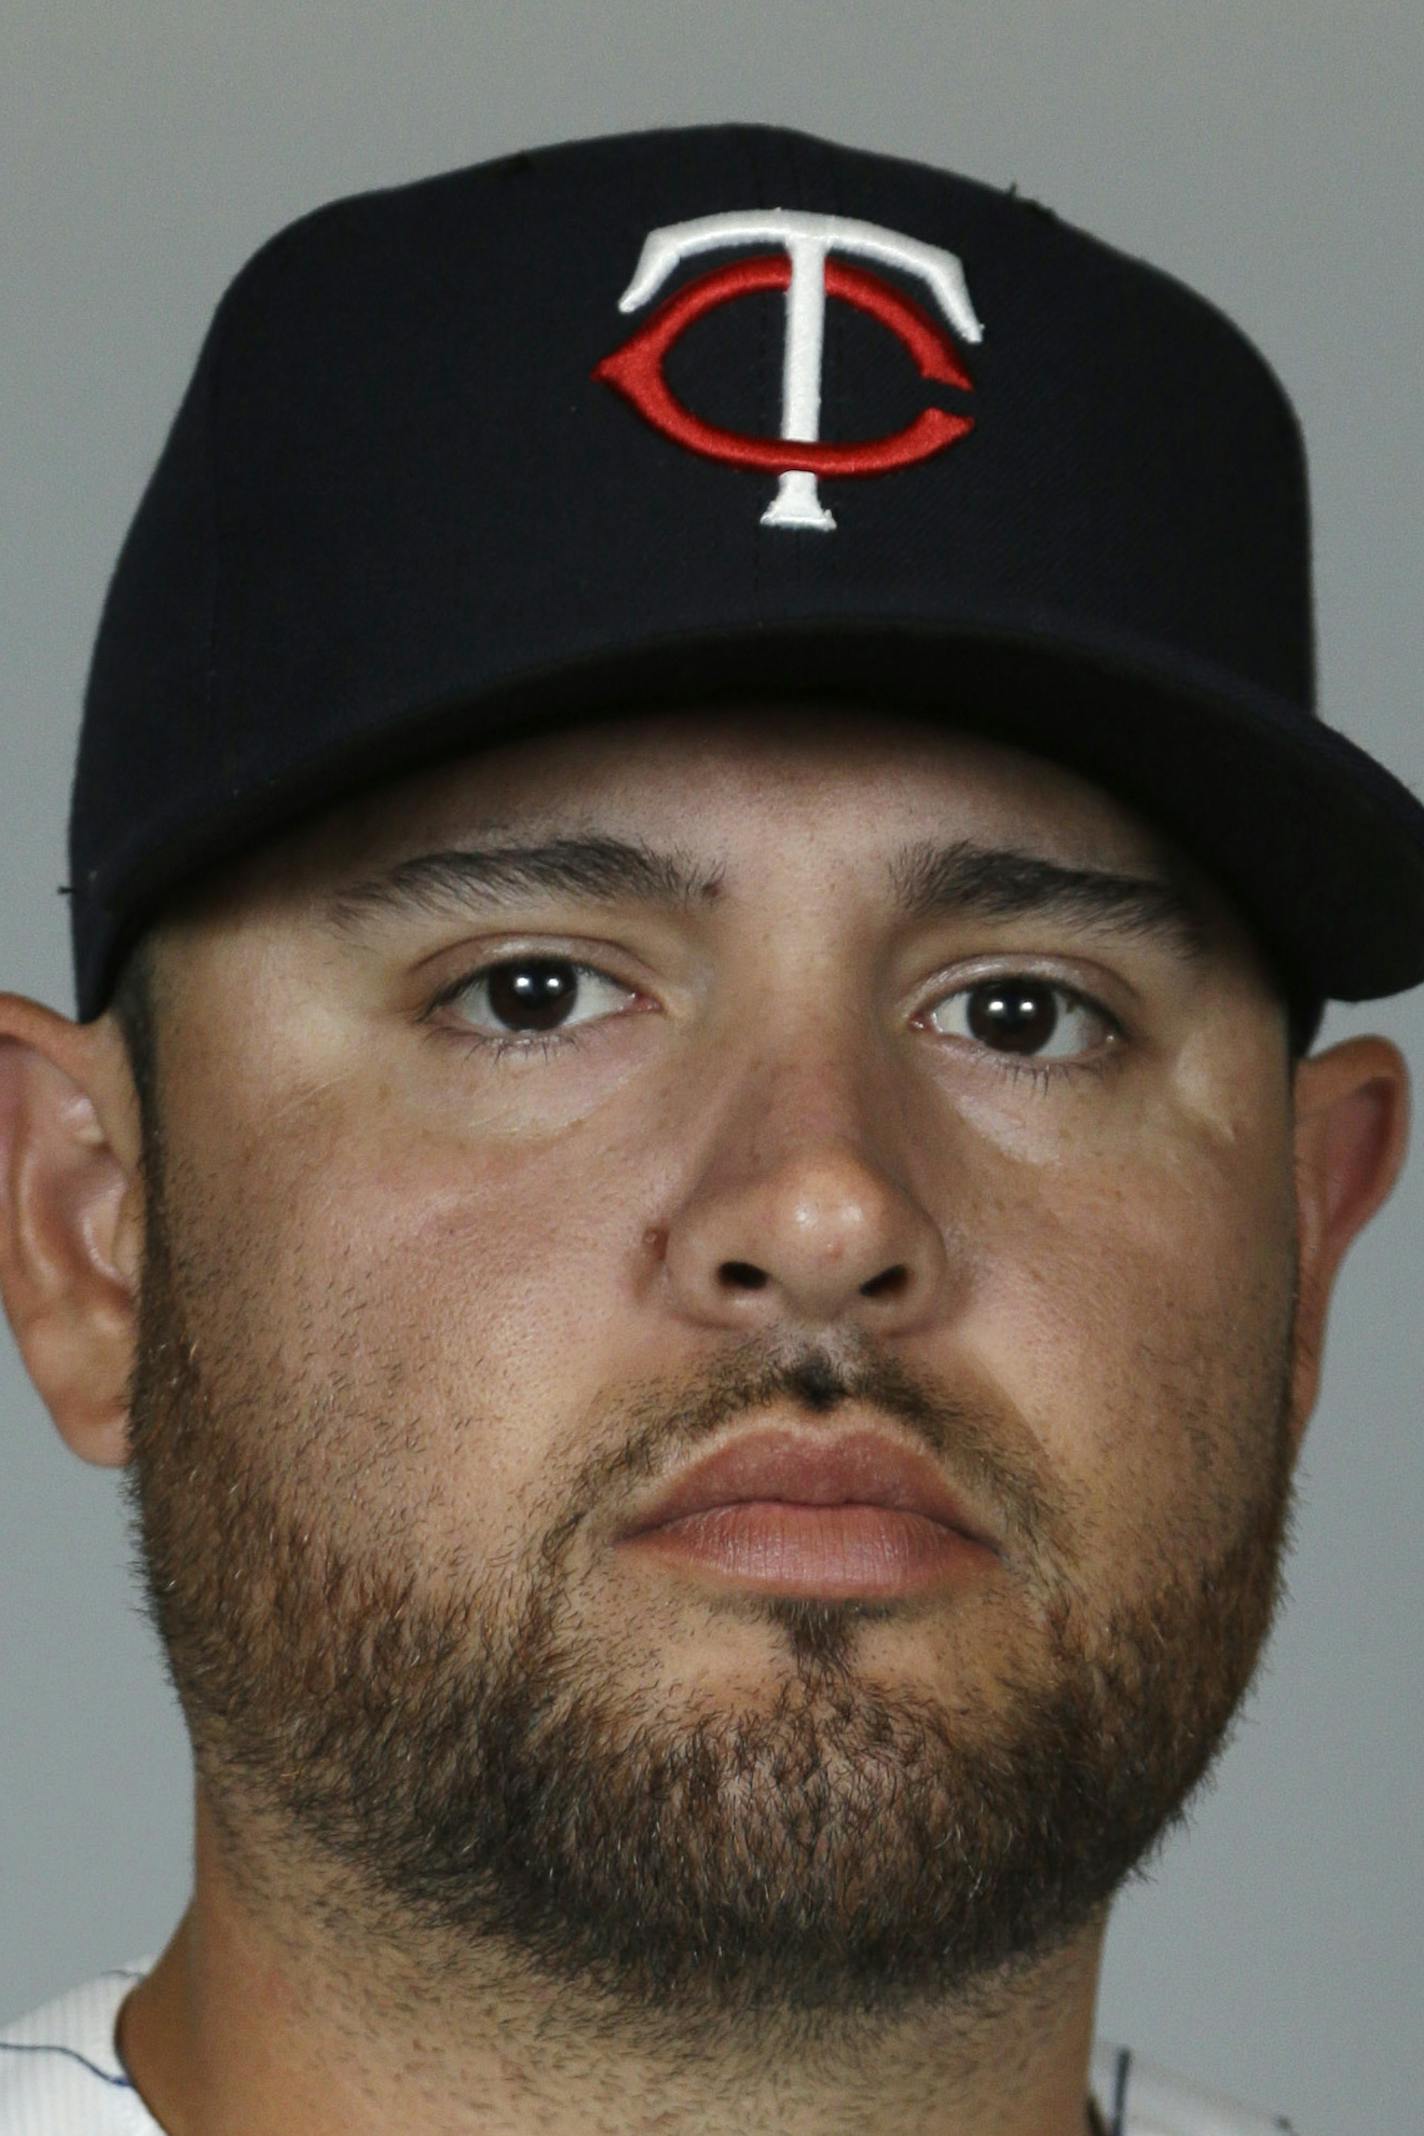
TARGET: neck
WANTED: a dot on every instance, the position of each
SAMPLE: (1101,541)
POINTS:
(250,2027)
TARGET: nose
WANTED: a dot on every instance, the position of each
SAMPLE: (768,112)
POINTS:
(823,1235)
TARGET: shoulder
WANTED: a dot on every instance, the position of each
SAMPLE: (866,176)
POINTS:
(60,2073)
(1137,2098)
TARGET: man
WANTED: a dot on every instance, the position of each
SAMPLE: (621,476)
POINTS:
(690,1182)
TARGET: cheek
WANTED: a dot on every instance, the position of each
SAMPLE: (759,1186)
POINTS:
(1138,1317)
(434,1311)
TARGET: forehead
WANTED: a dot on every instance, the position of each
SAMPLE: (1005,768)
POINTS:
(854,777)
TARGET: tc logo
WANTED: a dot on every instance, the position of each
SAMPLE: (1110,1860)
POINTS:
(804,271)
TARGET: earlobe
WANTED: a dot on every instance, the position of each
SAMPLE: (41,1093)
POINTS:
(1351,1135)
(70,1226)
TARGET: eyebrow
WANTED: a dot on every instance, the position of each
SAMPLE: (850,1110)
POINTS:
(927,882)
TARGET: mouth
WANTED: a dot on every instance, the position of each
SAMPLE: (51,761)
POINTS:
(858,1468)
(797,1513)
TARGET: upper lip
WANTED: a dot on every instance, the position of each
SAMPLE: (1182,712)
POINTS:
(855,1468)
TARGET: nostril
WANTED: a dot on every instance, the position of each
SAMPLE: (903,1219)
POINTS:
(888,1284)
(743,1274)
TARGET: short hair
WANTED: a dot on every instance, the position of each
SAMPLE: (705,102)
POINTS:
(135,1009)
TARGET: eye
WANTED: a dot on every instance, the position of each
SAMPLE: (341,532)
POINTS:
(532,998)
(532,1001)
(1023,1016)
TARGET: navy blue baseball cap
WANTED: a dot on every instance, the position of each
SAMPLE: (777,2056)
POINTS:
(702,413)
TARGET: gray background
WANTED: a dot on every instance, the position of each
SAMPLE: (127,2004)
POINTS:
(1267,152)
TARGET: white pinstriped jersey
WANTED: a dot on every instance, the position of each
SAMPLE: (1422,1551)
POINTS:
(60,2075)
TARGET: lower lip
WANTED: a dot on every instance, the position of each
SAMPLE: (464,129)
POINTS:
(842,1550)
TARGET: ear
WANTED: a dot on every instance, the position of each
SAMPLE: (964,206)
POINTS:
(1351,1135)
(71,1219)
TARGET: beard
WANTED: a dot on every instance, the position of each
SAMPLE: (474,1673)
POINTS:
(465,1774)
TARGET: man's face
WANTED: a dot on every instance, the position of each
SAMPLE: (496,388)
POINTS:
(423,1320)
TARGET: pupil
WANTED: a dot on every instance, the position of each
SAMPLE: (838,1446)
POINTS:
(533,991)
(538,992)
(1019,1012)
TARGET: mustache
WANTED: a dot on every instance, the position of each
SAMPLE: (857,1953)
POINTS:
(982,1445)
